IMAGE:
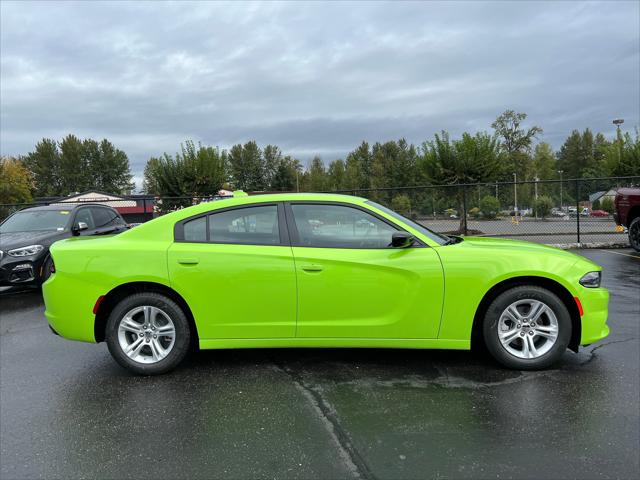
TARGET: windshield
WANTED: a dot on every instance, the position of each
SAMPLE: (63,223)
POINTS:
(436,237)
(55,220)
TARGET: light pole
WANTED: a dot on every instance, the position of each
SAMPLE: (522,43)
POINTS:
(561,172)
(617,122)
(515,195)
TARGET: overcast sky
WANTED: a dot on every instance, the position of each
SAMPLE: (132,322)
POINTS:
(313,78)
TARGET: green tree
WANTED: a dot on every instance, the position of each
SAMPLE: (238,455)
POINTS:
(75,165)
(196,171)
(16,181)
(516,142)
(544,162)
(336,175)
(543,206)
(401,204)
(583,155)
(44,163)
(247,167)
(358,167)
(272,159)
(286,175)
(596,205)
(472,159)
(75,175)
(489,206)
(317,179)
(112,173)
(622,157)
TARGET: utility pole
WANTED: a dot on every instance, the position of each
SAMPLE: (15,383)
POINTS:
(536,194)
(561,172)
(515,194)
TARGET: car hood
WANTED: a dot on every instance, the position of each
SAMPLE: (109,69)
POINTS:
(22,239)
(502,244)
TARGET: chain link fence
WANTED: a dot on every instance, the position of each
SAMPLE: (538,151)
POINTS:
(549,211)
(546,211)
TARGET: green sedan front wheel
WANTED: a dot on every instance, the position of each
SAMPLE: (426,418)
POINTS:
(148,333)
(527,328)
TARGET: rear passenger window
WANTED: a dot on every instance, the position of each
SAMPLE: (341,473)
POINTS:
(104,217)
(196,230)
(251,225)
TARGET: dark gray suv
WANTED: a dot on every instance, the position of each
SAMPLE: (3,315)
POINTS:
(26,235)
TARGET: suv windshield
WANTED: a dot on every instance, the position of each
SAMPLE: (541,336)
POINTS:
(436,237)
(27,221)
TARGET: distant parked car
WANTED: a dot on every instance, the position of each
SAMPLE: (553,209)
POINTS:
(627,214)
(599,213)
(25,237)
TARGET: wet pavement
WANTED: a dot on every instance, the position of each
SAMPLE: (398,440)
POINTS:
(68,411)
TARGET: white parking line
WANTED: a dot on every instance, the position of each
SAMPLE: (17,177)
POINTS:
(620,253)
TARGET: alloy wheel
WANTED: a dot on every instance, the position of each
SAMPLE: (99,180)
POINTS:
(528,329)
(146,334)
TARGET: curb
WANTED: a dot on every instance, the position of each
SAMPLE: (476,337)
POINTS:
(569,246)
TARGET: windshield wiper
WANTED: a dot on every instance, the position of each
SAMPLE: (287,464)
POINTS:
(452,240)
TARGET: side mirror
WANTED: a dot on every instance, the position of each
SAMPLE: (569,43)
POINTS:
(402,240)
(78,227)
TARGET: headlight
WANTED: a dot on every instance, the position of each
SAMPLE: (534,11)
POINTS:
(591,279)
(25,251)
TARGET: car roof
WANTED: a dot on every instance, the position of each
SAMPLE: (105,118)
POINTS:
(306,196)
(62,206)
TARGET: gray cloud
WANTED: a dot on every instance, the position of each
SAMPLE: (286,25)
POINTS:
(312,78)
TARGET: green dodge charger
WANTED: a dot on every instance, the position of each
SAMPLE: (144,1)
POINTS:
(317,270)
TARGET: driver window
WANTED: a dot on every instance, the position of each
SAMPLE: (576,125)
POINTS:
(338,226)
(84,215)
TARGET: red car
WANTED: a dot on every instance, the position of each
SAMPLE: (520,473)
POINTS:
(627,213)
(599,213)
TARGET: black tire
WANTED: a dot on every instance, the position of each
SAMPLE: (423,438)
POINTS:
(182,338)
(46,269)
(523,293)
(634,234)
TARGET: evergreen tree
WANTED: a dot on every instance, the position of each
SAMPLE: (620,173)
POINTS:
(336,175)
(44,164)
(317,176)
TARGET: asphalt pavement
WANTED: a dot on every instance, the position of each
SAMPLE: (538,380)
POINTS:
(68,411)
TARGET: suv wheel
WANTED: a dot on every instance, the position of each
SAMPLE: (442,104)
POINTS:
(634,234)
(148,333)
(527,328)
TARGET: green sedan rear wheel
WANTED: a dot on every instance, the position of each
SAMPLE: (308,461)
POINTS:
(148,333)
(527,328)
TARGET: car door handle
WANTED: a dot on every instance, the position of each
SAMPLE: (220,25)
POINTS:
(312,267)
(188,261)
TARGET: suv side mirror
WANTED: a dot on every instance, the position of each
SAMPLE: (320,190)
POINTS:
(402,240)
(78,227)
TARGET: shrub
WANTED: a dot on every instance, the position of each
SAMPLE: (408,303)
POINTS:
(543,206)
(607,205)
(489,206)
